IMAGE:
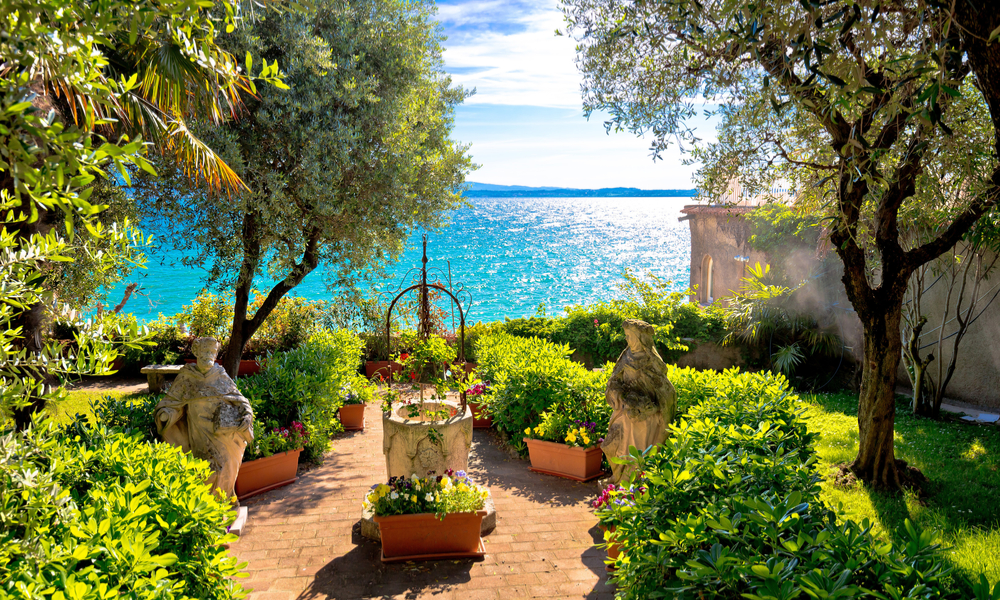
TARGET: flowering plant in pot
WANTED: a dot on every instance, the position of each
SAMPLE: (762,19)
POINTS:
(563,446)
(428,517)
(612,497)
(272,460)
(475,394)
(352,408)
(611,507)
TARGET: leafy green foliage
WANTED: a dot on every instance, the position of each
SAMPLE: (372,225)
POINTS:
(880,117)
(767,315)
(596,330)
(132,415)
(104,514)
(529,376)
(728,507)
(306,385)
(133,69)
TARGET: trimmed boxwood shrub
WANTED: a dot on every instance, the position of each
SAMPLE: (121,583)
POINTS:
(728,507)
(103,515)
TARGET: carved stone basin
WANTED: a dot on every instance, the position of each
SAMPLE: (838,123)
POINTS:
(435,438)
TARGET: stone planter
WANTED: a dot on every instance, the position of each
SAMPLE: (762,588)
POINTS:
(571,462)
(265,474)
(352,417)
(479,421)
(411,447)
(614,548)
(425,537)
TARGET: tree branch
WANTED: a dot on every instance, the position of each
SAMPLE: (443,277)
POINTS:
(950,236)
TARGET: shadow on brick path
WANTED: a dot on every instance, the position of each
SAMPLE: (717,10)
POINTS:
(303,541)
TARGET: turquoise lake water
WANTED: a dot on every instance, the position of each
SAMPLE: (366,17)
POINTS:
(510,253)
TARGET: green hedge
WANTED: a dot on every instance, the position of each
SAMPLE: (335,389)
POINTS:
(104,515)
(728,507)
(528,376)
(596,330)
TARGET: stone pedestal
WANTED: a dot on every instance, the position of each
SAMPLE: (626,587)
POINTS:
(410,446)
(241,521)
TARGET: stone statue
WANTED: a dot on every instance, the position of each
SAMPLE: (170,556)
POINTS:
(204,413)
(642,399)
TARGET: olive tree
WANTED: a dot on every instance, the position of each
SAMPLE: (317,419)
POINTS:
(867,107)
(339,170)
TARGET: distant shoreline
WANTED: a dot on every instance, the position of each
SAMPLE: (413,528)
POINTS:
(575,193)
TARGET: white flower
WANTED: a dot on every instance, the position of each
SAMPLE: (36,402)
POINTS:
(414,476)
(394,495)
(429,497)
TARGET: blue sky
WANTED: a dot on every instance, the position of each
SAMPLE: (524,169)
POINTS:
(525,122)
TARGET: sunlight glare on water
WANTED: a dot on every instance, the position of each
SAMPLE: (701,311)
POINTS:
(511,254)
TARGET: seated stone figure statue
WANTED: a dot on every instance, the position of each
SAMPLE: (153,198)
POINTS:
(642,399)
(203,412)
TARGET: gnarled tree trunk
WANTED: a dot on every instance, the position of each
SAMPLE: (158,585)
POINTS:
(876,460)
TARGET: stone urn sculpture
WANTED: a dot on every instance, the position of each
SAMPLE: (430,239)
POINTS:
(424,437)
(643,401)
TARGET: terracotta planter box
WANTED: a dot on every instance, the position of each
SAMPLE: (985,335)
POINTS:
(374,368)
(580,464)
(479,421)
(352,417)
(614,548)
(265,474)
(425,537)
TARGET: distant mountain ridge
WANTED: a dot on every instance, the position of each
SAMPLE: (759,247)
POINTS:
(489,190)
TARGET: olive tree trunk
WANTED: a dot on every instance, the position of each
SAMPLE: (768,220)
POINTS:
(876,461)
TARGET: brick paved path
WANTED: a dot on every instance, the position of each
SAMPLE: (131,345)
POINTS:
(303,541)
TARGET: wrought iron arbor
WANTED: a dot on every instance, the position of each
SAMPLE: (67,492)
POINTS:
(423,282)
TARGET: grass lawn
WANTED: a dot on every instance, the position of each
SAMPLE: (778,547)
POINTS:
(78,402)
(962,462)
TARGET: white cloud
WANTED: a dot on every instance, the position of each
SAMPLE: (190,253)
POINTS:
(511,54)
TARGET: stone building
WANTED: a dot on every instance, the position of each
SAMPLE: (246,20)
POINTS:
(720,253)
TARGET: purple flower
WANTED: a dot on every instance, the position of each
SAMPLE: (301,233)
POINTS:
(460,474)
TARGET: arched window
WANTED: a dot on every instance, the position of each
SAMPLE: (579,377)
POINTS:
(705,291)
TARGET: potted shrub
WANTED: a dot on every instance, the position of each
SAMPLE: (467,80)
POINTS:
(565,447)
(273,459)
(473,396)
(427,518)
(352,411)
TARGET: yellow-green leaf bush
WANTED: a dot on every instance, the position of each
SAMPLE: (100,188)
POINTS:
(528,376)
(728,507)
(102,514)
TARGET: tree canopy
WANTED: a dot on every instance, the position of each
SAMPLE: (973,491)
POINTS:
(80,84)
(339,170)
(882,114)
